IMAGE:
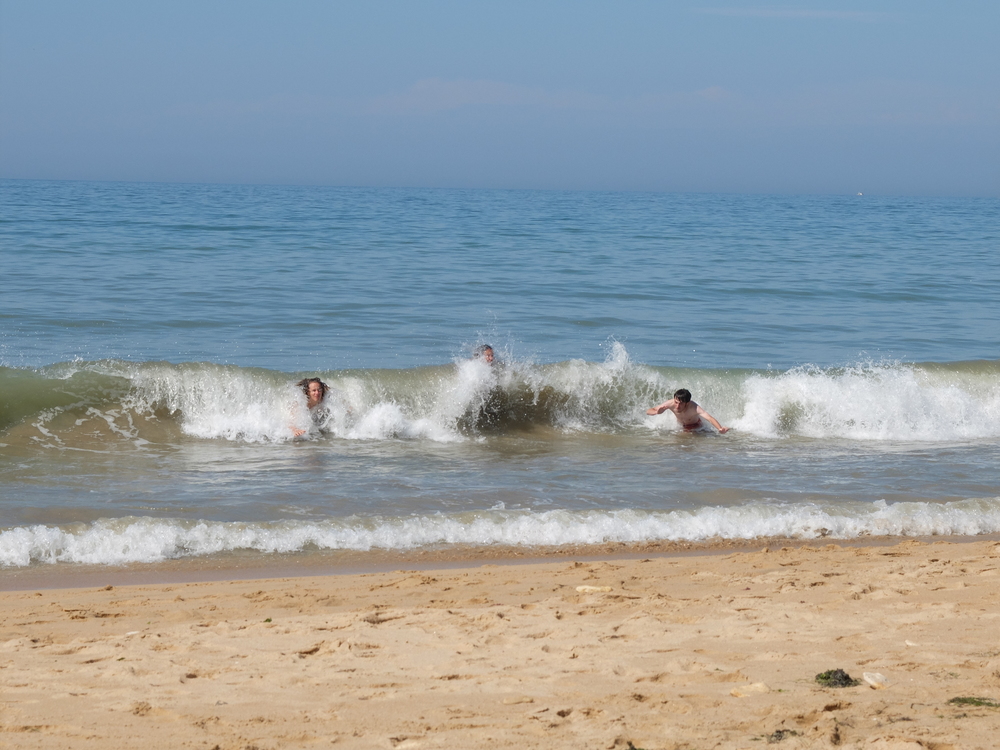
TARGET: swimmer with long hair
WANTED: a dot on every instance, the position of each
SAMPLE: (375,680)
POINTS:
(315,390)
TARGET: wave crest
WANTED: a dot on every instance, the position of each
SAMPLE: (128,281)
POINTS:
(469,399)
(147,540)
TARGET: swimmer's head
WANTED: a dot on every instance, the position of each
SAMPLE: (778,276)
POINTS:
(315,390)
(683,395)
(485,353)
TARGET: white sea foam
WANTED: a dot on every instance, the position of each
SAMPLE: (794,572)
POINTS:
(132,540)
(870,403)
(246,405)
(865,402)
(251,406)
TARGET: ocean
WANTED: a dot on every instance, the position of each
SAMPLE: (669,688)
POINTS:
(151,336)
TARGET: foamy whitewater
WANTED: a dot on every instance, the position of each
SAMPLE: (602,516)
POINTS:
(153,336)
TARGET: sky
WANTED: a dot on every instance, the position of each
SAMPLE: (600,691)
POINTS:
(900,97)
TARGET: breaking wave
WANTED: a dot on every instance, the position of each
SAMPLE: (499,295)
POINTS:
(146,540)
(469,399)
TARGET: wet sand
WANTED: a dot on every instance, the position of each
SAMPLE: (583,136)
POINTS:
(581,651)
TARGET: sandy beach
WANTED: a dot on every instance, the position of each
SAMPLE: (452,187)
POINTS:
(671,651)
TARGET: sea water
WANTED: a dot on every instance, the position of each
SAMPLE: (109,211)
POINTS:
(151,336)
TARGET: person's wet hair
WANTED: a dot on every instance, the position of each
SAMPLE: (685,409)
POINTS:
(304,385)
(683,395)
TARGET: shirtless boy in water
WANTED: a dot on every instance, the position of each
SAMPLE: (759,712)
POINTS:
(688,413)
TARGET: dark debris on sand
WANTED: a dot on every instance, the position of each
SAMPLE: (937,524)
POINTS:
(781,734)
(836,678)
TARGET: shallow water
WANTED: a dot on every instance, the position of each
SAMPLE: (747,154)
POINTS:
(152,335)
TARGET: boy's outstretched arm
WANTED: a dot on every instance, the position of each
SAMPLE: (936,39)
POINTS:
(662,407)
(712,420)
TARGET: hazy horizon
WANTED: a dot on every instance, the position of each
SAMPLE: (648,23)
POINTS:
(885,98)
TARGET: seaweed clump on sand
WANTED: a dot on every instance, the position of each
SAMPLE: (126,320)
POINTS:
(970,701)
(780,735)
(836,678)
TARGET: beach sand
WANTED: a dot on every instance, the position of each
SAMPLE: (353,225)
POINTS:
(674,651)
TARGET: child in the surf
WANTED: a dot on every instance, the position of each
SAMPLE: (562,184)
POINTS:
(315,390)
(485,353)
(688,413)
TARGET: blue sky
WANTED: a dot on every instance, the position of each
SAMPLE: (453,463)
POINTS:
(897,98)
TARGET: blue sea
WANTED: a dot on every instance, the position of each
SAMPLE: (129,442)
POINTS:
(151,336)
